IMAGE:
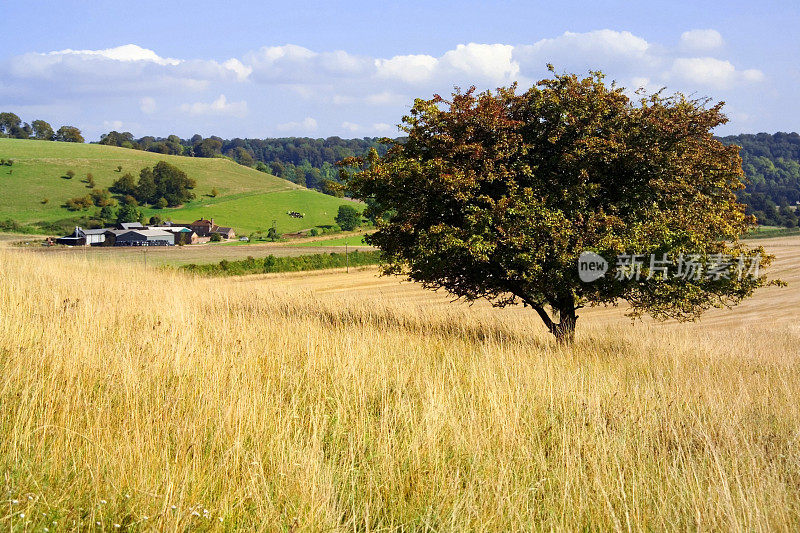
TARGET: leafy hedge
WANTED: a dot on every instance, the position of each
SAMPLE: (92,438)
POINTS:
(272,263)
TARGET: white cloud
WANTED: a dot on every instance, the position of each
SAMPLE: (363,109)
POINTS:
(113,124)
(307,124)
(701,40)
(711,72)
(147,105)
(220,106)
(127,52)
(242,72)
(408,68)
(385,98)
(485,61)
(350,126)
(382,127)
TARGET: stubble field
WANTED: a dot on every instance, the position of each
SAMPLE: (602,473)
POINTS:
(137,399)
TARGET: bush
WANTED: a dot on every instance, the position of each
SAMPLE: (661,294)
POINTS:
(69,174)
(45,201)
(161,203)
(314,232)
(79,203)
(216,237)
(285,264)
(155,220)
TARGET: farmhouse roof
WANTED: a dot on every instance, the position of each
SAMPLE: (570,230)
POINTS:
(131,225)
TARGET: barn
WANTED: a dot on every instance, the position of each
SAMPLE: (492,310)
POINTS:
(145,237)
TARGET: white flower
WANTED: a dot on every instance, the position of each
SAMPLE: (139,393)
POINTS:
(103,502)
(22,515)
(144,517)
(127,496)
(45,530)
(116,525)
(174,507)
(220,519)
(195,513)
(98,523)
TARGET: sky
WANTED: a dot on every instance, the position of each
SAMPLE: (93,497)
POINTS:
(353,69)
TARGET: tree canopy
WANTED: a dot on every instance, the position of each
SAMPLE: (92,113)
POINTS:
(499,195)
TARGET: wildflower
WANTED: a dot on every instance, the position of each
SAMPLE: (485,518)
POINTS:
(30,497)
(220,519)
(174,507)
(45,530)
(22,515)
(103,502)
(144,517)
(98,523)
(127,496)
(195,513)
(116,525)
(14,502)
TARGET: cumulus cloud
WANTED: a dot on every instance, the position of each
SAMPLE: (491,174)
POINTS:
(701,40)
(127,52)
(407,68)
(346,91)
(220,106)
(711,72)
(308,124)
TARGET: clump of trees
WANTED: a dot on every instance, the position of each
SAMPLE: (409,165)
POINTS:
(12,126)
(164,185)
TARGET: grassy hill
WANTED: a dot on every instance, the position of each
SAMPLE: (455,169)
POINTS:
(247,200)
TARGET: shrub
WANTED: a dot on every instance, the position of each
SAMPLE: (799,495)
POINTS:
(314,232)
(214,192)
(161,203)
(69,174)
(216,237)
(45,200)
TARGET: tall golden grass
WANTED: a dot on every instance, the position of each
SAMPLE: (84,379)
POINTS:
(150,400)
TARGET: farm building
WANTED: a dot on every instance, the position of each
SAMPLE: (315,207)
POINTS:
(205,228)
(84,237)
(183,235)
(145,237)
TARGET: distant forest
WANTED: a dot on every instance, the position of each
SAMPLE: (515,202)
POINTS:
(772,166)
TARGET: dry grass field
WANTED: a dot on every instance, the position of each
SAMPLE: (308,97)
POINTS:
(137,399)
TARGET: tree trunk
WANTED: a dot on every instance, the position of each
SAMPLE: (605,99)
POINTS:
(564,330)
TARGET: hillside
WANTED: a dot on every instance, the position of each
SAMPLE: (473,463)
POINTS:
(247,200)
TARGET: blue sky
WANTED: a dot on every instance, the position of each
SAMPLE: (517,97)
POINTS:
(259,69)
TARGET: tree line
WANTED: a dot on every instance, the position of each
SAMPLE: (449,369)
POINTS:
(772,166)
(301,160)
(11,126)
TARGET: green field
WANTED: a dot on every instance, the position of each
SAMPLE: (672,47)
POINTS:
(350,240)
(247,200)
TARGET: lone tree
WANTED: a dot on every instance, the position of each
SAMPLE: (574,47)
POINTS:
(497,195)
(348,217)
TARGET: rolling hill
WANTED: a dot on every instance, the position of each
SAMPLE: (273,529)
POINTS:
(247,200)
